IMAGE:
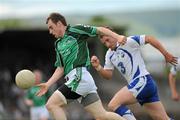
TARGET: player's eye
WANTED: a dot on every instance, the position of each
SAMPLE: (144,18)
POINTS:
(50,28)
(107,40)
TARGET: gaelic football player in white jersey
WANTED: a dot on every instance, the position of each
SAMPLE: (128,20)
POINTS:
(141,86)
(172,81)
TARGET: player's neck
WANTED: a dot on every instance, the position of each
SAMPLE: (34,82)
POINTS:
(114,47)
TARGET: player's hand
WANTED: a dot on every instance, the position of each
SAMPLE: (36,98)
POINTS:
(43,89)
(122,40)
(175,96)
(170,58)
(95,61)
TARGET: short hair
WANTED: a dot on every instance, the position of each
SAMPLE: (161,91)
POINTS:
(55,17)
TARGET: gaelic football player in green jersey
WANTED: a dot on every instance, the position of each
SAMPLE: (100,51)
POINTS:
(72,61)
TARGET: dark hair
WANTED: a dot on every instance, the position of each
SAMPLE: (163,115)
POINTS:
(55,17)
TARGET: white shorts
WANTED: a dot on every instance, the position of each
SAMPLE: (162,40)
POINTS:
(80,81)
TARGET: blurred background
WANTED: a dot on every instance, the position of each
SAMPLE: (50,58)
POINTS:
(26,44)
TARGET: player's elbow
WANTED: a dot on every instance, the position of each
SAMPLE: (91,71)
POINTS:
(149,38)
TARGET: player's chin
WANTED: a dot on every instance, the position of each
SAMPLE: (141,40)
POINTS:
(111,47)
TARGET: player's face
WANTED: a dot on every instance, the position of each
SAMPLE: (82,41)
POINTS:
(56,29)
(109,42)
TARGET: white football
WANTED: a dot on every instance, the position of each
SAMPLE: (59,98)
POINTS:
(25,79)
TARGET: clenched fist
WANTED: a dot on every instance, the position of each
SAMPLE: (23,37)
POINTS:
(95,61)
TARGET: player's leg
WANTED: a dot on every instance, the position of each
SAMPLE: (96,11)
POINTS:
(156,111)
(55,105)
(87,88)
(118,102)
(57,101)
(148,97)
(93,105)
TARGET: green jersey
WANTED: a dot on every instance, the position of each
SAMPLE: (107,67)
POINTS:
(38,101)
(72,50)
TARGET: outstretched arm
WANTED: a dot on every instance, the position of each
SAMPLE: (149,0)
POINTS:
(58,73)
(107,74)
(172,83)
(155,43)
(107,32)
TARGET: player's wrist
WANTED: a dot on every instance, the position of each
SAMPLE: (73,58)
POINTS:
(98,68)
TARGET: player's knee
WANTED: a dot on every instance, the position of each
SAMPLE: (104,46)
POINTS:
(49,106)
(52,105)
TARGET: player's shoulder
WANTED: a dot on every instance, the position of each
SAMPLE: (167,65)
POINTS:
(109,52)
(79,26)
(136,39)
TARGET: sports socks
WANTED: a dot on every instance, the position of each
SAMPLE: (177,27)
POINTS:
(125,112)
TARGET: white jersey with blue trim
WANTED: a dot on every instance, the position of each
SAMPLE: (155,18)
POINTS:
(175,68)
(127,58)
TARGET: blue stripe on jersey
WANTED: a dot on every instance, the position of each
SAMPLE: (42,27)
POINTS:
(111,56)
(130,56)
(136,73)
(136,38)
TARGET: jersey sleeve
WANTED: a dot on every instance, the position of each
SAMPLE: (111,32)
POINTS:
(173,70)
(84,29)
(108,63)
(58,62)
(136,41)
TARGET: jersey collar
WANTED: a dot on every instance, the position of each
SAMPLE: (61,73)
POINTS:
(117,45)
